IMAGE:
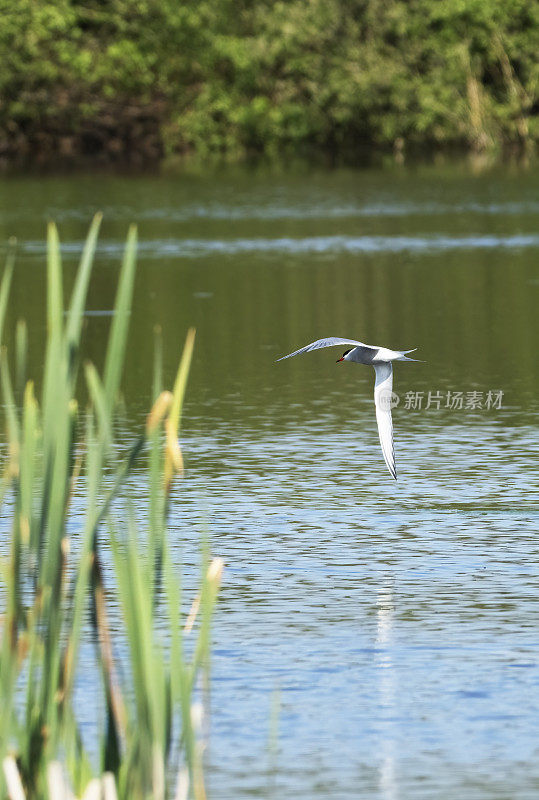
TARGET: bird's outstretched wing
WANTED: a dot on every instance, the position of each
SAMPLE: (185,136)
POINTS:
(383,389)
(329,342)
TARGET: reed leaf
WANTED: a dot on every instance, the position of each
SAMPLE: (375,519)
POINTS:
(55,300)
(174,459)
(80,289)
(21,352)
(118,336)
(6,285)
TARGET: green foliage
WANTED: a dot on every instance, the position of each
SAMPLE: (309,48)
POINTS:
(53,573)
(242,78)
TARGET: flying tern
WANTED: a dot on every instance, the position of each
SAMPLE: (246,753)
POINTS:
(381,359)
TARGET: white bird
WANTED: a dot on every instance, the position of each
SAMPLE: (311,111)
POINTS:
(380,358)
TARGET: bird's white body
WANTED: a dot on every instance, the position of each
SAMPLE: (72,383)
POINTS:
(380,358)
(384,354)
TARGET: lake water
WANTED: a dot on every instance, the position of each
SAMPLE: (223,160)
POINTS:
(390,628)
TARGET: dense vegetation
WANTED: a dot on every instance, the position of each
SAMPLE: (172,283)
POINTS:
(87,562)
(140,79)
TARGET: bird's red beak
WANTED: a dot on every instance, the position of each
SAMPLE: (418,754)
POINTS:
(340,359)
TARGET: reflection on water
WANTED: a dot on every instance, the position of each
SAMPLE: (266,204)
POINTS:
(386,671)
(398,620)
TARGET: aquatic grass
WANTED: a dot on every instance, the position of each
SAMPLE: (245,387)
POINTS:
(52,587)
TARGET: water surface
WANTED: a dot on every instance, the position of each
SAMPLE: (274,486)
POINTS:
(395,625)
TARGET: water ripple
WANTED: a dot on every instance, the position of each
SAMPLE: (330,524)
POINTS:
(279,211)
(193,248)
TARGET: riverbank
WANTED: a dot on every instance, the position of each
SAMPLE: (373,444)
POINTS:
(333,82)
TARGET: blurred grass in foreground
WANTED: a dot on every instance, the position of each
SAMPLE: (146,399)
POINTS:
(52,582)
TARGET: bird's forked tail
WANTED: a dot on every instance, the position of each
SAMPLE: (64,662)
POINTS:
(404,357)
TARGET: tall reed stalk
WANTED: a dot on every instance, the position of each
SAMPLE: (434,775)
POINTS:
(52,588)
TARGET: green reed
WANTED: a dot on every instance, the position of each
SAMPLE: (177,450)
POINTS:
(52,587)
